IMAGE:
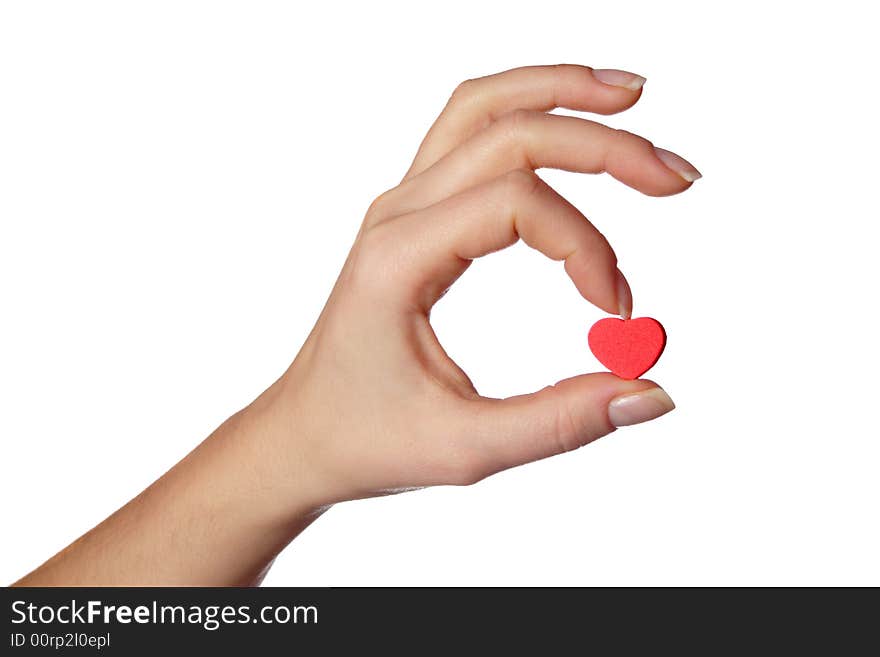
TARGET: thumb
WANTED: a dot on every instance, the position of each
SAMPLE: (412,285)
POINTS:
(563,417)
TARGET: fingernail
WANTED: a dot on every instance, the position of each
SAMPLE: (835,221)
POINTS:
(678,164)
(624,297)
(639,407)
(617,78)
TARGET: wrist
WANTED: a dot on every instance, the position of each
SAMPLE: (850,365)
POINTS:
(268,468)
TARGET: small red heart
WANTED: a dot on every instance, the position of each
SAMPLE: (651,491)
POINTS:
(627,347)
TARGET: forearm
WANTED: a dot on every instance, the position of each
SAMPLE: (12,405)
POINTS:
(218,517)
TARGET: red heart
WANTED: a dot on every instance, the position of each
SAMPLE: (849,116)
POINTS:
(627,347)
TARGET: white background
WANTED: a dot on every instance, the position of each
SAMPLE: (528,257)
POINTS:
(180,182)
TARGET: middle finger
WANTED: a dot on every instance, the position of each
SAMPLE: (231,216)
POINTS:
(532,140)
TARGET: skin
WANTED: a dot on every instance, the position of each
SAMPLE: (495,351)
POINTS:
(372,404)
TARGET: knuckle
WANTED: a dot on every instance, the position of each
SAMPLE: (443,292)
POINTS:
(522,183)
(513,130)
(570,75)
(380,208)
(624,138)
(516,122)
(465,91)
(566,429)
(370,269)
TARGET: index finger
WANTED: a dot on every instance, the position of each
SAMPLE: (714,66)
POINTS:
(441,240)
(476,103)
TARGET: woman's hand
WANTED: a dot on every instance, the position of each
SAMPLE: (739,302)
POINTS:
(373,402)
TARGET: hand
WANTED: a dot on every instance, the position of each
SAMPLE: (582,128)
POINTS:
(373,402)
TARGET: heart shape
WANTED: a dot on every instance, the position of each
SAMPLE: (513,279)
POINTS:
(627,347)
